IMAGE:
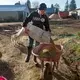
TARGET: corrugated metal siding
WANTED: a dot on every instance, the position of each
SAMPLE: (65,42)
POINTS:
(13,12)
(8,14)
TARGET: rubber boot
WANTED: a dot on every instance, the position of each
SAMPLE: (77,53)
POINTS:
(29,54)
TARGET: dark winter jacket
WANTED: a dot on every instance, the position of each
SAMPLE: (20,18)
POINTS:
(37,20)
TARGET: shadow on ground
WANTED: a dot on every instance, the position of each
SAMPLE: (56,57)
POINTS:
(61,76)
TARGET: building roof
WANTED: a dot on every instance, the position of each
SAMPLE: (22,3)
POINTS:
(78,9)
(14,8)
(75,9)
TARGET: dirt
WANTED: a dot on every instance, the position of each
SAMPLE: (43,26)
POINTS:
(13,65)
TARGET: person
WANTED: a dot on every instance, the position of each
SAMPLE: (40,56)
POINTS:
(39,19)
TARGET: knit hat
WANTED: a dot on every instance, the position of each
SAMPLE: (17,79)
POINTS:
(42,6)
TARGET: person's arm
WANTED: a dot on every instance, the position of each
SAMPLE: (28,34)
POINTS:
(46,24)
(28,19)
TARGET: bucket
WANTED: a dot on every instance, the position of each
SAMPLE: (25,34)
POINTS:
(2,78)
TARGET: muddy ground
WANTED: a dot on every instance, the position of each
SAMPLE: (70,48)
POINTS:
(12,62)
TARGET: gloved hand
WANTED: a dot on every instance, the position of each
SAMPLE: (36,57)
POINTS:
(26,31)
